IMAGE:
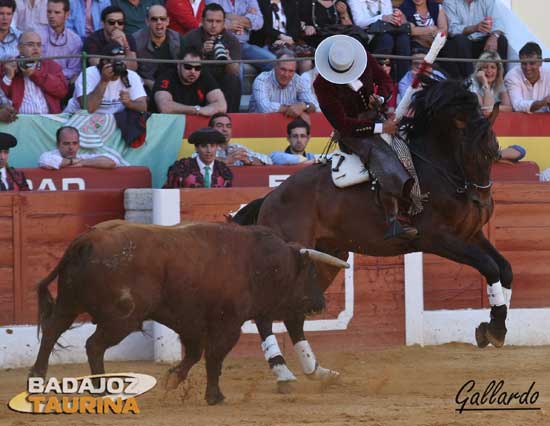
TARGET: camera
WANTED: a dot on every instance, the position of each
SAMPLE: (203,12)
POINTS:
(26,64)
(119,68)
(220,53)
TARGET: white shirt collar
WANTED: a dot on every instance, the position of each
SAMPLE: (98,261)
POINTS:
(4,176)
(202,166)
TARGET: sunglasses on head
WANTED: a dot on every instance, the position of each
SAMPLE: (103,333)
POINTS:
(159,18)
(190,67)
(119,22)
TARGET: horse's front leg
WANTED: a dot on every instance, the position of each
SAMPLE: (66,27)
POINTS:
(274,356)
(474,253)
(306,357)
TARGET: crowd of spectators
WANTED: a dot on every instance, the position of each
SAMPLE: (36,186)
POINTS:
(227,30)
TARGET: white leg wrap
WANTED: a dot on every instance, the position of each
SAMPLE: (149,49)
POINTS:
(495,294)
(306,357)
(283,373)
(271,347)
(507,292)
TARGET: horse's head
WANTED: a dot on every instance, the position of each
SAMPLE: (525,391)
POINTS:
(448,122)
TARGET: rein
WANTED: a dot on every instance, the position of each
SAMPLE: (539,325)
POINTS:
(461,184)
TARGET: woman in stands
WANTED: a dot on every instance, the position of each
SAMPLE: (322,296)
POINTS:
(488,85)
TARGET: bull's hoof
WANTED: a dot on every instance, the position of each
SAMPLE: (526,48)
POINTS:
(215,398)
(172,381)
(285,387)
(481,335)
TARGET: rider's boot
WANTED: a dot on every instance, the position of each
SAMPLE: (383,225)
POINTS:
(397,228)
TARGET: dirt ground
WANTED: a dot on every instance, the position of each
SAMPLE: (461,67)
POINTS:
(400,386)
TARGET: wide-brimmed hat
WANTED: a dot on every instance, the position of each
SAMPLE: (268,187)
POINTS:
(205,136)
(340,59)
(7,141)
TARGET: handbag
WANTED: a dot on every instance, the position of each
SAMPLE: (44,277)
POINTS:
(381,27)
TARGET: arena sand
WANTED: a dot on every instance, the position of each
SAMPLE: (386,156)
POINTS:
(403,386)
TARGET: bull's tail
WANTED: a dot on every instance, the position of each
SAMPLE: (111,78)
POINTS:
(46,302)
(248,215)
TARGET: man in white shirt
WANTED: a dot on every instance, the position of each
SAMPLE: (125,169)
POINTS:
(67,153)
(111,87)
(10,179)
(529,84)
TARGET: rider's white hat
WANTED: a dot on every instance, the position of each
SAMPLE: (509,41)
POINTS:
(340,59)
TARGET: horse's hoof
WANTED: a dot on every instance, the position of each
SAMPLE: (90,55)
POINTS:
(326,376)
(215,399)
(285,387)
(481,335)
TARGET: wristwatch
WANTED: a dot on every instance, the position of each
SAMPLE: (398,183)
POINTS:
(307,106)
(497,35)
(197,109)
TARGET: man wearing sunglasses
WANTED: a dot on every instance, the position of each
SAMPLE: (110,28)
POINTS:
(188,89)
(135,12)
(156,41)
(113,19)
(529,84)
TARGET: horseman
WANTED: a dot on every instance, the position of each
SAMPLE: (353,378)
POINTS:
(351,88)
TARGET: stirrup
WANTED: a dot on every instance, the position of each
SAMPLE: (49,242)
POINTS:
(396,230)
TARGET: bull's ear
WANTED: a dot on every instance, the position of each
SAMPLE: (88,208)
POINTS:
(494,114)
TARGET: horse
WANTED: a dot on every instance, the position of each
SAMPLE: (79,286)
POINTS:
(453,148)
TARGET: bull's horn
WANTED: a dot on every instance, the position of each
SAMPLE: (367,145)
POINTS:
(325,258)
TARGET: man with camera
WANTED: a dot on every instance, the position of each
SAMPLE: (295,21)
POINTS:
(114,20)
(111,87)
(188,89)
(34,86)
(215,42)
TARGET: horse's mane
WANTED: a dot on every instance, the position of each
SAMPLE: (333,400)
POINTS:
(439,103)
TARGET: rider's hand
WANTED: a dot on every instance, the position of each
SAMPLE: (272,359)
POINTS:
(390,127)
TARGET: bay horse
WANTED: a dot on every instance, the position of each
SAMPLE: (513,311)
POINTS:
(453,148)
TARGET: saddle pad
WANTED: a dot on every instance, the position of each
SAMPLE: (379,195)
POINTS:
(347,169)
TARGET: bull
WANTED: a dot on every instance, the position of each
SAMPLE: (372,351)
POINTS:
(202,280)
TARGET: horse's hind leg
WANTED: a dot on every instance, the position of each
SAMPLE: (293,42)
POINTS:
(52,329)
(193,352)
(306,357)
(274,356)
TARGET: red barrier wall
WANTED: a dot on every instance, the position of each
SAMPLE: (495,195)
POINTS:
(80,178)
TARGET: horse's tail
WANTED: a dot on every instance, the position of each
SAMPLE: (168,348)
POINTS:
(248,215)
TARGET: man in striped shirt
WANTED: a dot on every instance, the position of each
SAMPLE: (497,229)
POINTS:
(282,90)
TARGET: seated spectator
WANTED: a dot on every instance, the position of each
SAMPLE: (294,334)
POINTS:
(391,104)
(185,15)
(368,12)
(529,84)
(85,17)
(406,81)
(156,41)
(35,87)
(298,138)
(317,15)
(113,31)
(10,179)
(215,42)
(488,84)
(282,90)
(58,40)
(474,28)
(281,24)
(9,35)
(110,86)
(234,154)
(135,12)
(204,171)
(244,16)
(30,15)
(67,153)
(187,89)
(427,18)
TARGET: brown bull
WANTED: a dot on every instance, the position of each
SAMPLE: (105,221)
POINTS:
(201,280)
